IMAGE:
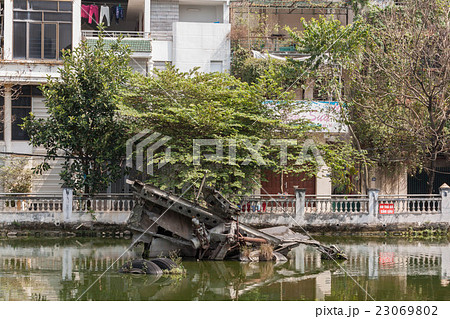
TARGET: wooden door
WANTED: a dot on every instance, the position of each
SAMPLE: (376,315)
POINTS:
(279,184)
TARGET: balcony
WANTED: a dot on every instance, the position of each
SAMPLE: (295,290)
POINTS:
(125,19)
(137,41)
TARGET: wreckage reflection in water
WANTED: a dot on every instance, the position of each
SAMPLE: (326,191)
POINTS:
(64,269)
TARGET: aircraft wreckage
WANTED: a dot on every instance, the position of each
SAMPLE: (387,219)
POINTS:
(165,222)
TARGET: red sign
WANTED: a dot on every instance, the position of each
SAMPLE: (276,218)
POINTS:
(386,208)
(386,260)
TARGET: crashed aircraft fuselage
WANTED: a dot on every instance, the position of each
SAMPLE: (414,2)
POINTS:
(165,222)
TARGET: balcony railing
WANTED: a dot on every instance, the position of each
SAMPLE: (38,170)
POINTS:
(138,42)
(116,34)
(259,204)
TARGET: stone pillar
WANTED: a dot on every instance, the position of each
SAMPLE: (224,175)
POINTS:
(76,23)
(226,12)
(373,205)
(8,30)
(445,203)
(67,203)
(147,5)
(7,127)
(323,181)
(300,201)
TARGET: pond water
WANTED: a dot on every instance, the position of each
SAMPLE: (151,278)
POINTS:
(388,269)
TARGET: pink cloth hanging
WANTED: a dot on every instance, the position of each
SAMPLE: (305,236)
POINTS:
(93,12)
(85,11)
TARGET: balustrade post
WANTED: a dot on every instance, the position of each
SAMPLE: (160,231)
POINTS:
(67,203)
(300,203)
(373,205)
(445,202)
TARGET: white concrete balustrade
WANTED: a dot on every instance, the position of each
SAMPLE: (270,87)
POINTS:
(30,203)
(65,208)
(413,203)
(270,204)
(269,210)
(371,210)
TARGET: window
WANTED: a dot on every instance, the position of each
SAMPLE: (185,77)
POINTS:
(41,29)
(216,66)
(20,108)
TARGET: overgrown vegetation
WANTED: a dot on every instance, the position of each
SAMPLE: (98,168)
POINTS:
(15,176)
(249,69)
(83,127)
(391,69)
(215,108)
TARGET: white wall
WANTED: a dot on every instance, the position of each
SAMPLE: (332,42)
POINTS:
(323,181)
(201,13)
(162,50)
(49,182)
(197,44)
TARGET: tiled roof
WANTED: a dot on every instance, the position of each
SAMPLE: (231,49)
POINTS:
(135,45)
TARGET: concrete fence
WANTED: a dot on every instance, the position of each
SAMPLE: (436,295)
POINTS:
(65,208)
(370,210)
(297,210)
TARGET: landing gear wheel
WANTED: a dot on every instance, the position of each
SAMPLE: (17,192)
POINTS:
(141,266)
(165,263)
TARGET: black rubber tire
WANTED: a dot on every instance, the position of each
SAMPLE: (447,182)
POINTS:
(165,263)
(141,266)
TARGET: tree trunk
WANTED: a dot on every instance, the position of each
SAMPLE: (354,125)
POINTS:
(431,176)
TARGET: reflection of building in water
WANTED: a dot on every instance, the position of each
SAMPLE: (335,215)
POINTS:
(323,285)
(374,260)
(397,260)
(64,272)
(306,258)
(28,272)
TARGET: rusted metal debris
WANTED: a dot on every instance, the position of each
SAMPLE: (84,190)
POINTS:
(165,223)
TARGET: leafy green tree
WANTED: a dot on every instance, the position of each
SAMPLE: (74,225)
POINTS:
(391,68)
(191,105)
(403,80)
(15,177)
(250,69)
(332,49)
(83,126)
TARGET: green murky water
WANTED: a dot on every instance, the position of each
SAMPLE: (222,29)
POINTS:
(35,269)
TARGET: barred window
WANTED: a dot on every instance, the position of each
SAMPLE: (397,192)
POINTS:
(41,29)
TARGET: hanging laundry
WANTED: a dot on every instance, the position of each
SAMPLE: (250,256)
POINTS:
(85,11)
(104,12)
(118,13)
(93,13)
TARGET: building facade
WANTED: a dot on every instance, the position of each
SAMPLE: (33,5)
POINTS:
(186,34)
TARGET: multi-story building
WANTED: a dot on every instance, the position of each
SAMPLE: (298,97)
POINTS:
(259,25)
(185,33)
